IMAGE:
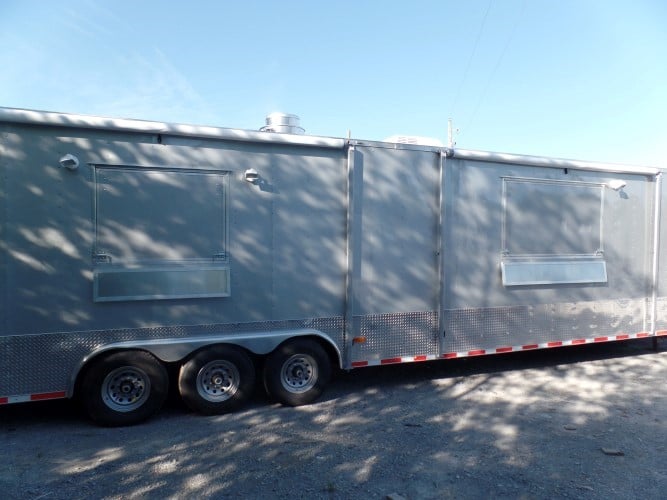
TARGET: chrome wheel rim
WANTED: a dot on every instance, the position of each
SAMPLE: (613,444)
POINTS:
(126,388)
(218,381)
(299,373)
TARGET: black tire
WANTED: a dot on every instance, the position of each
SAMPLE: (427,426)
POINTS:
(217,380)
(296,373)
(124,388)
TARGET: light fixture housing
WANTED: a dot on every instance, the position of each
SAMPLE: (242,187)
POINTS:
(69,161)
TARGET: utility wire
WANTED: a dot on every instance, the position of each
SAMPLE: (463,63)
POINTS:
(497,65)
(472,55)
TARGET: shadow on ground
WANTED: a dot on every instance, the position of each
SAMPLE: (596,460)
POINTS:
(572,422)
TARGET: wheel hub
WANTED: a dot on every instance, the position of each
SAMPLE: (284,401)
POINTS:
(299,373)
(125,389)
(218,380)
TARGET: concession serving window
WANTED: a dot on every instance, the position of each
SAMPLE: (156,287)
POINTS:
(552,232)
(160,233)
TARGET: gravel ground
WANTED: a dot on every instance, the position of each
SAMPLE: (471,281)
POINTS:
(579,422)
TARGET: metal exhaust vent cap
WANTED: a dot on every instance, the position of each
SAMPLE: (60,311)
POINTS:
(283,123)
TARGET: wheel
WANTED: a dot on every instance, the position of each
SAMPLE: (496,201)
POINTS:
(217,380)
(295,374)
(124,388)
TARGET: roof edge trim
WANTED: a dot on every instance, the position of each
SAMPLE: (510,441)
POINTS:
(55,119)
(544,161)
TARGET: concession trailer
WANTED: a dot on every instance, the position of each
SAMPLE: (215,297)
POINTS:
(134,254)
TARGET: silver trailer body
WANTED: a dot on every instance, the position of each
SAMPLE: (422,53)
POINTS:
(123,234)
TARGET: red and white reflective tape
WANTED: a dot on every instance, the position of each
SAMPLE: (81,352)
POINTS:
(504,349)
(393,361)
(25,398)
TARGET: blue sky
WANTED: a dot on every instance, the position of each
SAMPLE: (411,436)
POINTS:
(582,79)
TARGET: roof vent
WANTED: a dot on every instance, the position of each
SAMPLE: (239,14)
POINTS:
(283,123)
(414,139)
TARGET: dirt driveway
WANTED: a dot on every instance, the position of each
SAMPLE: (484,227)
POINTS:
(584,422)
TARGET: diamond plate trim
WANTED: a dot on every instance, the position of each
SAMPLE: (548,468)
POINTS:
(661,310)
(45,363)
(485,329)
(389,338)
(396,335)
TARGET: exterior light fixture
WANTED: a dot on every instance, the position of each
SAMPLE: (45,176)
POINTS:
(70,162)
(252,176)
(616,184)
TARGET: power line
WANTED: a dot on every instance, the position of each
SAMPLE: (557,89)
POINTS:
(470,58)
(497,65)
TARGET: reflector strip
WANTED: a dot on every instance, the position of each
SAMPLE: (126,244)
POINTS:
(503,349)
(48,395)
(660,333)
(390,361)
(25,398)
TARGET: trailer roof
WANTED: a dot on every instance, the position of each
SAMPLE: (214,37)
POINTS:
(56,119)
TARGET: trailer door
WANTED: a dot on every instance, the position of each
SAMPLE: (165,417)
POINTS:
(393,297)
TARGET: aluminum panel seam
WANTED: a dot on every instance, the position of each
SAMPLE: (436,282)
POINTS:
(442,217)
(350,254)
(656,252)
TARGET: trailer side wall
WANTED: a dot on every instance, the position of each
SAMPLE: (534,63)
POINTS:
(130,207)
